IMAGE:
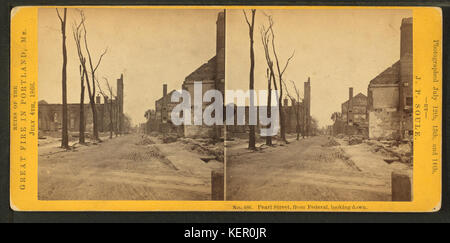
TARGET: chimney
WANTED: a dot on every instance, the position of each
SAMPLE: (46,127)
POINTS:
(220,32)
(406,38)
(350,106)
(97,99)
(286,102)
(164,90)
(220,51)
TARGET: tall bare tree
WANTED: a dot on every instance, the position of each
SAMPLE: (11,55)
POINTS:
(296,105)
(77,36)
(65,133)
(80,34)
(265,39)
(81,139)
(335,116)
(269,103)
(268,39)
(280,72)
(251,25)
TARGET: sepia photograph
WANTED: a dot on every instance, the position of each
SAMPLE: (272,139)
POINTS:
(213,104)
(338,85)
(108,81)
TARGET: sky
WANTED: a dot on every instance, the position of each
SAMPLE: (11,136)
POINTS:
(149,46)
(337,49)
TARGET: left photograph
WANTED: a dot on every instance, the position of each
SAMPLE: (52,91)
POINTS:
(111,82)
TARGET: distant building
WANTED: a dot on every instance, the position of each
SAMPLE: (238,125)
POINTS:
(50,115)
(302,109)
(390,97)
(357,113)
(354,114)
(211,75)
(386,112)
(352,120)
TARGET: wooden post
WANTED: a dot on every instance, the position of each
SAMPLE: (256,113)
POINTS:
(401,187)
(217,184)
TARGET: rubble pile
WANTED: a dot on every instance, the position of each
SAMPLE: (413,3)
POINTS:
(145,141)
(331,142)
(170,139)
(353,140)
(205,147)
(393,150)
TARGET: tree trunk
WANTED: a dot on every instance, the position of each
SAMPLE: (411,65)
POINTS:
(251,137)
(94,118)
(280,110)
(65,134)
(81,136)
(116,114)
(297,127)
(111,118)
(269,104)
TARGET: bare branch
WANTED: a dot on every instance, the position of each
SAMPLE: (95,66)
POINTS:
(100,59)
(287,62)
(109,86)
(246,19)
(296,90)
(287,92)
(100,88)
(59,16)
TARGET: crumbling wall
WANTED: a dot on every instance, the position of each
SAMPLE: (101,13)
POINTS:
(338,126)
(384,124)
(385,97)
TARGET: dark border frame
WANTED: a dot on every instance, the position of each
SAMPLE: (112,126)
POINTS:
(7,215)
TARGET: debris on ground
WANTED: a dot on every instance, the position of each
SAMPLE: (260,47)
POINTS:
(169,139)
(206,159)
(205,147)
(393,150)
(391,160)
(331,142)
(145,141)
(340,136)
(353,140)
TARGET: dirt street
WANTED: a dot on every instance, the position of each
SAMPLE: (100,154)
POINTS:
(124,168)
(308,170)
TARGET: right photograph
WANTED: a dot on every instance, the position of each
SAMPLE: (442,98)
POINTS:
(319,105)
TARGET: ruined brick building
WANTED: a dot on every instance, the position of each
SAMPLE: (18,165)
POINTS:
(386,112)
(291,110)
(390,98)
(300,108)
(50,115)
(159,118)
(211,75)
(353,117)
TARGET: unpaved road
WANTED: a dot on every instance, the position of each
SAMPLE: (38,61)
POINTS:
(307,171)
(122,169)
